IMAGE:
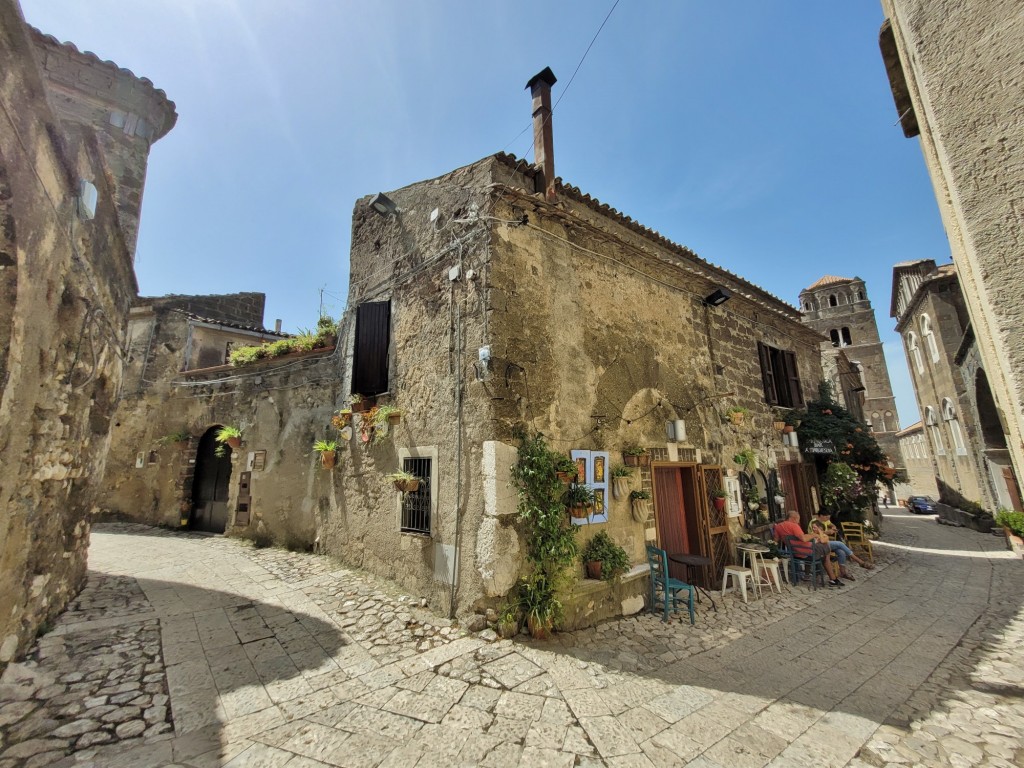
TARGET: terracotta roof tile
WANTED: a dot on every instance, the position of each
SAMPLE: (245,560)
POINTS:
(829,280)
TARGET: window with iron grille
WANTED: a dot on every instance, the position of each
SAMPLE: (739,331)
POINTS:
(416,504)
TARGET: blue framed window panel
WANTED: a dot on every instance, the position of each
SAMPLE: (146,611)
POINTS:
(592,470)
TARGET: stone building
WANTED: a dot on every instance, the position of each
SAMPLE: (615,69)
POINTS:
(839,309)
(957,78)
(75,135)
(918,464)
(968,450)
(490,298)
(169,337)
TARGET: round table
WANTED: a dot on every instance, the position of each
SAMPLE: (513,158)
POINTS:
(690,562)
(753,558)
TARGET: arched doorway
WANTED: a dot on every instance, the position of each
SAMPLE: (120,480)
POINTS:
(210,484)
(997,455)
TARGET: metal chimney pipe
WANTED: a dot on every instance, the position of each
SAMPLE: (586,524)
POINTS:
(277,326)
(543,136)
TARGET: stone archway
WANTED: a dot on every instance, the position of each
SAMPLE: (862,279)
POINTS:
(211,484)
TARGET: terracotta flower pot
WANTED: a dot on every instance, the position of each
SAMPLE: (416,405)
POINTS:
(362,406)
(327,459)
(645,460)
(736,418)
(394,419)
(594,569)
(540,629)
(719,502)
(234,443)
(788,429)
(408,486)
(580,510)
(630,460)
(566,477)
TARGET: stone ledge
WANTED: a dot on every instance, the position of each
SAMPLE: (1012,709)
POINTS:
(590,601)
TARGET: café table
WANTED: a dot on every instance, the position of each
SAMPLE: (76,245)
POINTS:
(690,562)
(753,558)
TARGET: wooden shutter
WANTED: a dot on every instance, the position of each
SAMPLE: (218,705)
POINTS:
(767,374)
(370,360)
(796,394)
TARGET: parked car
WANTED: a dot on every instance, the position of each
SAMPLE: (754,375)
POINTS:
(921,505)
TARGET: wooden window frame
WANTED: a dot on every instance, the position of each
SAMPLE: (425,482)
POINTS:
(780,376)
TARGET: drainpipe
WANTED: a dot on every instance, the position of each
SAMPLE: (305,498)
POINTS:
(458,459)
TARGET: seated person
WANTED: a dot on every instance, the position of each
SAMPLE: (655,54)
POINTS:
(839,548)
(816,542)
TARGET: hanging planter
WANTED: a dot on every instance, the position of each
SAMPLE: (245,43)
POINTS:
(386,415)
(620,487)
(405,482)
(635,456)
(579,499)
(229,436)
(565,468)
(718,499)
(788,429)
(342,418)
(779,425)
(737,414)
(641,506)
(328,450)
(360,403)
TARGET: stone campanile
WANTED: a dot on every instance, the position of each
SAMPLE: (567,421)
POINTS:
(839,309)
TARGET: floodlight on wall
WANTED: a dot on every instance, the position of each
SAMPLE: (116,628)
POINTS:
(720,296)
(383,205)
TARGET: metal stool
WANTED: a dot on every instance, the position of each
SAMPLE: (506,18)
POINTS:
(772,574)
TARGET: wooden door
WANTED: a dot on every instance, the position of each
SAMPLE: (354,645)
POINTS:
(670,514)
(210,485)
(1012,489)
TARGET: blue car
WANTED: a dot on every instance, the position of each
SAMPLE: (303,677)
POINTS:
(921,505)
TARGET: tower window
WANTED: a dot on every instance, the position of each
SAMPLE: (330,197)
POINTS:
(833,301)
(846,337)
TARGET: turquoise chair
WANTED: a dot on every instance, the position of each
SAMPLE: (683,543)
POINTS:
(669,587)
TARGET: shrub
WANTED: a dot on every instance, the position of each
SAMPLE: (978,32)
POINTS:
(613,558)
(1012,520)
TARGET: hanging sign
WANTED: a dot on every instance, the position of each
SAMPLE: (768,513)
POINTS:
(819,446)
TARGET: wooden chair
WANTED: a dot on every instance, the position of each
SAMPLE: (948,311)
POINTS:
(856,539)
(669,587)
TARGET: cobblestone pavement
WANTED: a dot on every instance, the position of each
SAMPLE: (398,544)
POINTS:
(200,651)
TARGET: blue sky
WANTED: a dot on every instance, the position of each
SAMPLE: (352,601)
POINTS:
(761,135)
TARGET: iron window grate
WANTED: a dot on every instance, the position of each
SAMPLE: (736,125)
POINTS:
(416,504)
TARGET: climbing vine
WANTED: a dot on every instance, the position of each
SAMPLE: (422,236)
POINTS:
(550,537)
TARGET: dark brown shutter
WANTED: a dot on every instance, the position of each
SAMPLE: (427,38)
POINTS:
(796,394)
(767,374)
(370,361)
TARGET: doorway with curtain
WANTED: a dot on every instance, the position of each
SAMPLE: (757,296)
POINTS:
(687,521)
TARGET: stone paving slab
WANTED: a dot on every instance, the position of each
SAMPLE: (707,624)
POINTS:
(197,651)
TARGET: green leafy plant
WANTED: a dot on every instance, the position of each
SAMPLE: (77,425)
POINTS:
(746,458)
(632,449)
(325,446)
(401,476)
(613,558)
(224,434)
(579,495)
(509,615)
(249,354)
(550,536)
(738,409)
(621,470)
(639,495)
(565,464)
(1012,520)
(383,414)
(181,436)
(718,493)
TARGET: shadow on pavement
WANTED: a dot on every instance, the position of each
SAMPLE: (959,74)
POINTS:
(157,685)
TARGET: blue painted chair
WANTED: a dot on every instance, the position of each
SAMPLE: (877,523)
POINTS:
(669,587)
(811,562)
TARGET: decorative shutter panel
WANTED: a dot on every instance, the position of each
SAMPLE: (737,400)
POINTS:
(370,359)
(767,374)
(796,395)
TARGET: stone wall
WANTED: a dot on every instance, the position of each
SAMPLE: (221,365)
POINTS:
(66,283)
(964,82)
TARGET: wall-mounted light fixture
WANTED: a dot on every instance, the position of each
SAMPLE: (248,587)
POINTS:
(676,431)
(720,296)
(384,205)
(87,197)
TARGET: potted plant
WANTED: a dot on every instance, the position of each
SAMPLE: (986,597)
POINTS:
(565,467)
(579,498)
(620,480)
(737,413)
(180,439)
(780,496)
(718,497)
(328,450)
(779,425)
(640,501)
(508,621)
(342,418)
(753,498)
(539,604)
(227,436)
(387,414)
(604,559)
(360,403)
(635,456)
(747,458)
(406,482)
